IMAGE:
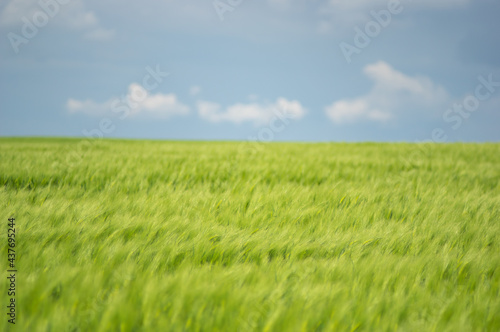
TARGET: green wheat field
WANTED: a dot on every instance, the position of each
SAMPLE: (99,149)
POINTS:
(117,235)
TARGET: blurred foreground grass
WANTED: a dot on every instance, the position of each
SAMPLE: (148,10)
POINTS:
(215,236)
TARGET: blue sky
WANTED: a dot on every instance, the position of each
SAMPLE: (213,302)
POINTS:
(273,70)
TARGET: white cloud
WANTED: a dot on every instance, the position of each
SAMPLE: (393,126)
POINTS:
(258,114)
(345,111)
(137,102)
(389,81)
(194,90)
(73,15)
(88,107)
(393,93)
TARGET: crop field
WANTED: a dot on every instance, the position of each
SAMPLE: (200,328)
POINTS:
(117,235)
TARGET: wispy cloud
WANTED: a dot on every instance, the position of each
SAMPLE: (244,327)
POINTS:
(194,90)
(258,114)
(137,103)
(392,93)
